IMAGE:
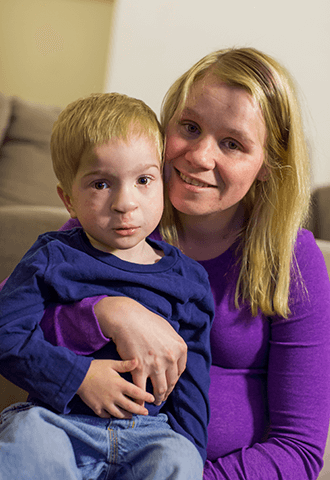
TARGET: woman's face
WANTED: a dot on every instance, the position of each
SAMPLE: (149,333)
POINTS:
(214,150)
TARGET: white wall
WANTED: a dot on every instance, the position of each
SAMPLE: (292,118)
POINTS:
(154,41)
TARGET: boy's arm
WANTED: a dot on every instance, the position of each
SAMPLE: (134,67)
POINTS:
(51,374)
(47,371)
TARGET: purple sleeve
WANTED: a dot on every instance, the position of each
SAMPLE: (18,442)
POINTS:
(298,385)
(71,223)
(74,326)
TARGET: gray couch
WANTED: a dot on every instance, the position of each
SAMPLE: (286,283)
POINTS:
(29,204)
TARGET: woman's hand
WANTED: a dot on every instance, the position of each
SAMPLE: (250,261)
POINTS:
(107,393)
(139,334)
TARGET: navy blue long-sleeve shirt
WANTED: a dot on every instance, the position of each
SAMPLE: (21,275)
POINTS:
(63,267)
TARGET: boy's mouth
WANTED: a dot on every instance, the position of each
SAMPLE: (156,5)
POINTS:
(126,231)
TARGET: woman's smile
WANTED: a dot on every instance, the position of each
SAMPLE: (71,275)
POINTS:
(192,181)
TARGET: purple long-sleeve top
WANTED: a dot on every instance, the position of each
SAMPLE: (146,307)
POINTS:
(270,377)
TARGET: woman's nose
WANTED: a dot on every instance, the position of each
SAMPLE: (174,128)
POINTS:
(124,200)
(203,153)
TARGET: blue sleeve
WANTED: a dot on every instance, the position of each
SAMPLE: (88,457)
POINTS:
(188,407)
(50,374)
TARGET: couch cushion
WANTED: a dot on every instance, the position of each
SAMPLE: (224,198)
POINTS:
(20,227)
(320,214)
(26,173)
(5,112)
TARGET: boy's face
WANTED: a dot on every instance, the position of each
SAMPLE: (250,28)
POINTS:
(117,195)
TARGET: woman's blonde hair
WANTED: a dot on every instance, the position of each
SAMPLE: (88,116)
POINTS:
(276,208)
(94,120)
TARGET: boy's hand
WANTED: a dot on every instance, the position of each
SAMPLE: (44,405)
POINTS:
(138,333)
(108,394)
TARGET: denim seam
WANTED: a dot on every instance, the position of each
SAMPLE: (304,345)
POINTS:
(14,409)
(113,446)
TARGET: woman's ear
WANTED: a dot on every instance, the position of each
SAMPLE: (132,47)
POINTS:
(263,173)
(66,199)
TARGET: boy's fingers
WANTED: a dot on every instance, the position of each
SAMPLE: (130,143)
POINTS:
(123,366)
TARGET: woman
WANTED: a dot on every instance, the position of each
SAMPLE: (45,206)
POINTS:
(238,179)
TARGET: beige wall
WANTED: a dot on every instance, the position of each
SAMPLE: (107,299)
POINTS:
(54,51)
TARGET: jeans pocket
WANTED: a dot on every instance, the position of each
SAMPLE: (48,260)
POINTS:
(12,410)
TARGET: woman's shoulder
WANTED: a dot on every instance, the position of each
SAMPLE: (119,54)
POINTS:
(306,249)
(70,224)
(311,265)
(305,236)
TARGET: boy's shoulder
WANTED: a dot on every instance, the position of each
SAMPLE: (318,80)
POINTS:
(54,240)
(64,236)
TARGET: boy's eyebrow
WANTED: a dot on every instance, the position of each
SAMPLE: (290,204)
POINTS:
(146,166)
(139,168)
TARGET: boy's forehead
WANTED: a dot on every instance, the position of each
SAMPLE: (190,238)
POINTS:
(113,152)
(131,140)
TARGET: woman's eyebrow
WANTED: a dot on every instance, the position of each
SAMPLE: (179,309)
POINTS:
(189,111)
(240,133)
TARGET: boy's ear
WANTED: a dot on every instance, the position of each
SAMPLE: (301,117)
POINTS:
(66,199)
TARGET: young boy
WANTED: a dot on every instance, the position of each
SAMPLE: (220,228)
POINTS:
(107,155)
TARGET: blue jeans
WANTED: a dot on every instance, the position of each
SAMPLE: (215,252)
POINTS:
(37,444)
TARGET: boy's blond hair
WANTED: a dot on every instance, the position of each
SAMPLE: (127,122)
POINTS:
(275,209)
(95,120)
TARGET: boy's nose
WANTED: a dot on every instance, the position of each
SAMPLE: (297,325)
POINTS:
(124,200)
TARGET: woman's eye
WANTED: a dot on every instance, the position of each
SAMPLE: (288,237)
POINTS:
(100,185)
(232,145)
(144,181)
(190,128)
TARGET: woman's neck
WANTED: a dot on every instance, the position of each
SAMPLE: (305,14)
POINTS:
(204,238)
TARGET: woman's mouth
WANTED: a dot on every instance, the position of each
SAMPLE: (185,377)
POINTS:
(193,181)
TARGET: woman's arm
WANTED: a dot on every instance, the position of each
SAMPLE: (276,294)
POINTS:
(138,333)
(159,352)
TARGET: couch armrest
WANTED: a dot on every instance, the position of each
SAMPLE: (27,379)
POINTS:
(10,394)
(20,227)
(325,249)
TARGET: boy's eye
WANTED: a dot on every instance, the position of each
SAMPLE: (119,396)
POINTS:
(100,185)
(144,181)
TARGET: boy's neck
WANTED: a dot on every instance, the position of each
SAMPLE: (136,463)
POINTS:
(142,254)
